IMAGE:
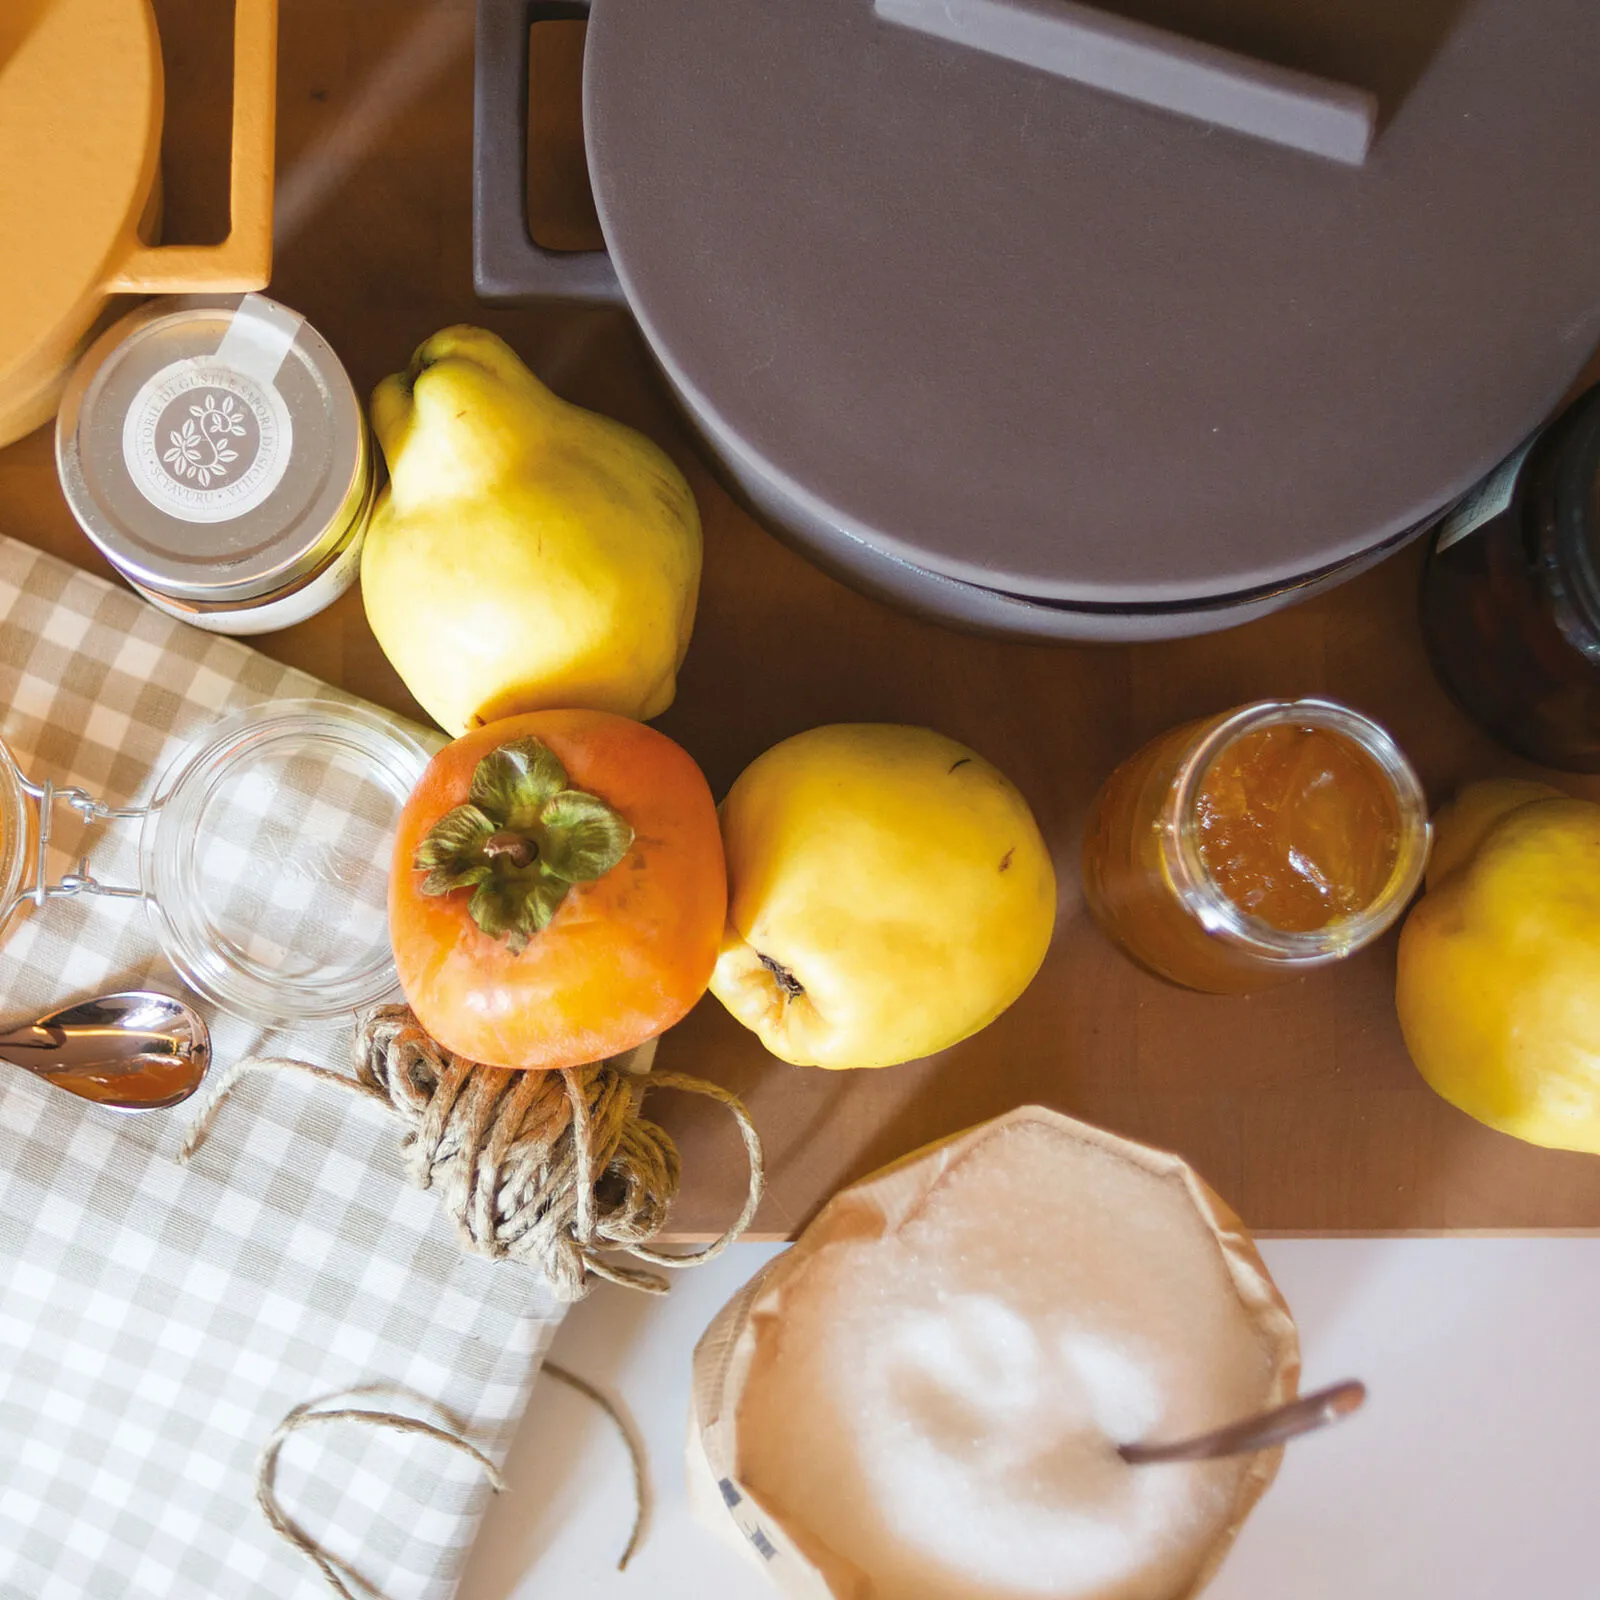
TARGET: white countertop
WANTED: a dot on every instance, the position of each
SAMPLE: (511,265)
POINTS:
(1470,1475)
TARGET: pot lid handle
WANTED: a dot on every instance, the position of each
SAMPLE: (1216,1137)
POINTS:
(1157,68)
(506,262)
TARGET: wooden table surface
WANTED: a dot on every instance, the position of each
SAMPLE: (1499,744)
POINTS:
(1299,1106)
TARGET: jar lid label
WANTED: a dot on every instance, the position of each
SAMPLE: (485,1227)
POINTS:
(209,438)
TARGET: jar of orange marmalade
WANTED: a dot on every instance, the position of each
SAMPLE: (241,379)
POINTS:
(1237,852)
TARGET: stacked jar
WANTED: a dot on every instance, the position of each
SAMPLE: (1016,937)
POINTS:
(214,449)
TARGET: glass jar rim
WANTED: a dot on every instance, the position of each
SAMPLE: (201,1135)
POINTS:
(1221,916)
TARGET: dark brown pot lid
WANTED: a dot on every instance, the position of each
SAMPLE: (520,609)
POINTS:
(1039,337)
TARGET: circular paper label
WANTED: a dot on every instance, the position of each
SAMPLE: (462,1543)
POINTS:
(205,442)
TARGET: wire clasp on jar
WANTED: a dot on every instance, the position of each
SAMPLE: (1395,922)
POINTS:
(81,881)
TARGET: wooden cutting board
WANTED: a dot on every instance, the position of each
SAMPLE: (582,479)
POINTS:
(1299,1106)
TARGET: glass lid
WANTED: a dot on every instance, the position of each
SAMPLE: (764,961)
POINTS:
(265,860)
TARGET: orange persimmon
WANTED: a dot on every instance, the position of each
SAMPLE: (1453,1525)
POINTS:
(558,892)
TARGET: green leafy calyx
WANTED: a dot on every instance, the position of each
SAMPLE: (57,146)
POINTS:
(521,841)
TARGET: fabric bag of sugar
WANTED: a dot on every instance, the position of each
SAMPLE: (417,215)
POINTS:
(922,1399)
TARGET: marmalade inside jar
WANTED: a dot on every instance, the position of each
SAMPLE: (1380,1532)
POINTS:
(1297,826)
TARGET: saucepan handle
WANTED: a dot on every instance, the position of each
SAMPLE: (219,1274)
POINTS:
(243,261)
(1138,62)
(506,263)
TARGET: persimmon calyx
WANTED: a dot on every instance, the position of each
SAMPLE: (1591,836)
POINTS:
(520,842)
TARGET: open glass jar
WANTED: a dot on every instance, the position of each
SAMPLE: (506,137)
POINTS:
(263,857)
(1237,852)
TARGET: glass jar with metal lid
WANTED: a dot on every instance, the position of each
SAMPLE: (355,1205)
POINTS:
(215,450)
(263,857)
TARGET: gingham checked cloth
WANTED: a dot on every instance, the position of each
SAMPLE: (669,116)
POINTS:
(156,1322)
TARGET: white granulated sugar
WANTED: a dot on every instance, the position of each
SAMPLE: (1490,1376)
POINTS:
(941,1408)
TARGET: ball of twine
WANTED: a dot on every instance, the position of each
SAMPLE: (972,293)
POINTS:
(548,1168)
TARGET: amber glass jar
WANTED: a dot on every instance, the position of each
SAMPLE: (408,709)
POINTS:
(1185,888)
(1511,596)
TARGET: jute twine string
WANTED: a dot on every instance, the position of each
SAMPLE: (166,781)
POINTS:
(334,1568)
(546,1168)
(641,1477)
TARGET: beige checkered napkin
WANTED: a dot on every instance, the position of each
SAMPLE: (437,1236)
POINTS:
(156,1322)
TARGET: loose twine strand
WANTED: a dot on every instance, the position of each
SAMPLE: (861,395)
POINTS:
(334,1568)
(641,1476)
(546,1168)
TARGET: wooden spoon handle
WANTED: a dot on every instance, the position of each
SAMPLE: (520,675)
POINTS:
(1305,1415)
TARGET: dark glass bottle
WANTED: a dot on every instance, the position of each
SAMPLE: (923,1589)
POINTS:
(1511,595)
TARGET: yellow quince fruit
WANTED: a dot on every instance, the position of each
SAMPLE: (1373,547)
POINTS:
(527,554)
(889,893)
(1498,985)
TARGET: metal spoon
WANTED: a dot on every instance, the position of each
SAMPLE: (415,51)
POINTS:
(133,1052)
(1260,1432)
